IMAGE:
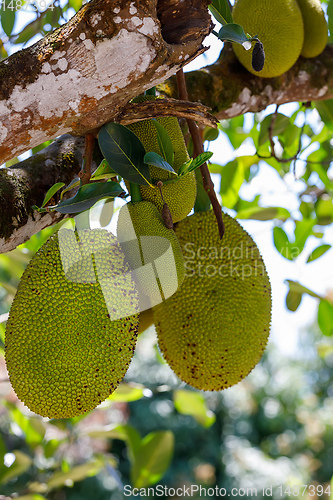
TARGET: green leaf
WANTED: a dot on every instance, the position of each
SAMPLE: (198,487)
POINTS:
(125,153)
(324,210)
(73,184)
(293,300)
(325,110)
(282,243)
(155,159)
(199,160)
(125,433)
(127,392)
(103,171)
(87,196)
(234,33)
(164,142)
(77,473)
(194,404)
(280,124)
(2,450)
(7,18)
(153,458)
(20,465)
(232,177)
(29,31)
(32,427)
(52,191)
(318,252)
(221,11)
(295,286)
(184,168)
(11,289)
(325,317)
(31,496)
(303,230)
(76,4)
(264,213)
(50,447)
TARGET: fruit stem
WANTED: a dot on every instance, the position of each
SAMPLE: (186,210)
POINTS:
(85,172)
(198,149)
(135,192)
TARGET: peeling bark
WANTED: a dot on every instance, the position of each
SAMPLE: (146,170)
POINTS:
(81,75)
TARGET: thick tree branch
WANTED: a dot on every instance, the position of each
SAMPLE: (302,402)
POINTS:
(230,90)
(81,75)
(25,184)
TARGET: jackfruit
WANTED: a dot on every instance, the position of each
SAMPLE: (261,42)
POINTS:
(315,27)
(152,252)
(73,324)
(181,193)
(214,329)
(278,25)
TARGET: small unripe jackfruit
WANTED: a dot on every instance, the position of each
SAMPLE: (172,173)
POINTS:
(278,25)
(152,252)
(214,329)
(181,193)
(73,324)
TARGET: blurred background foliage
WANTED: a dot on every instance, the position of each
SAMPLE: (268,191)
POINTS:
(274,428)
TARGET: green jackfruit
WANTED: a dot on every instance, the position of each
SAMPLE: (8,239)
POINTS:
(214,329)
(73,324)
(152,252)
(181,193)
(315,27)
(278,25)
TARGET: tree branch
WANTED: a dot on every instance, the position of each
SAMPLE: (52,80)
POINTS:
(25,184)
(230,90)
(82,74)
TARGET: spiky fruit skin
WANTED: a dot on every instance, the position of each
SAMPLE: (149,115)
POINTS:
(214,329)
(181,193)
(315,28)
(63,353)
(151,249)
(278,25)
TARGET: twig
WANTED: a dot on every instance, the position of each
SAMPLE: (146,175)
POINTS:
(198,149)
(136,111)
(293,158)
(85,173)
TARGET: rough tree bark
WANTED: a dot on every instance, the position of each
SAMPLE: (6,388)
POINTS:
(81,75)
